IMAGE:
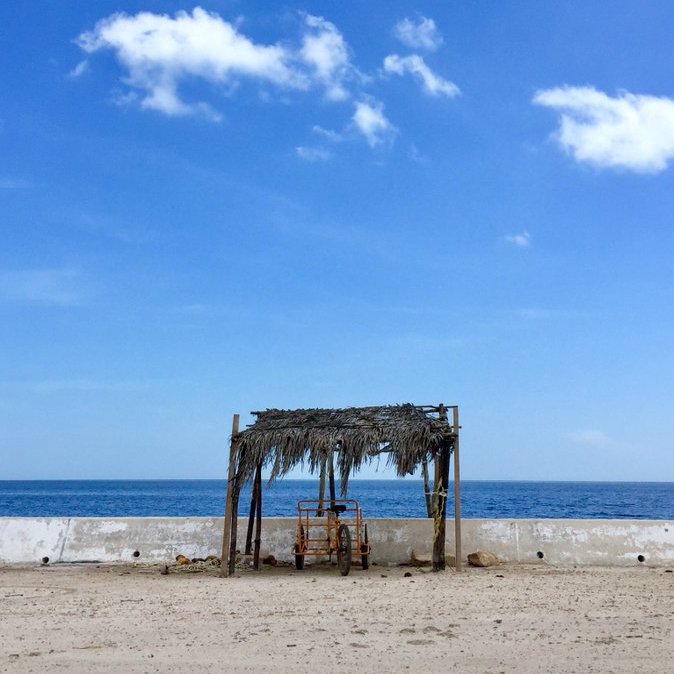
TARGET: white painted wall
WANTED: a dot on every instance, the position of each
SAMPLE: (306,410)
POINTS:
(562,542)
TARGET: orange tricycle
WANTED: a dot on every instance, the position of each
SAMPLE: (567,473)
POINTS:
(327,527)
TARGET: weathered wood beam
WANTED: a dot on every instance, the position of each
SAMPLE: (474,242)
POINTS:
(440,489)
(251,517)
(457,489)
(321,490)
(331,479)
(226,529)
(258,521)
(427,488)
(236,489)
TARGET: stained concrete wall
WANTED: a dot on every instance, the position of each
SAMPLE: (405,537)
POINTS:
(562,542)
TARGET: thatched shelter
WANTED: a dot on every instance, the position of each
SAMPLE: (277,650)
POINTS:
(342,440)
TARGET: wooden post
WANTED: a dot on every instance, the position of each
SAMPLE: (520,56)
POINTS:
(251,516)
(437,478)
(258,521)
(441,469)
(457,488)
(236,488)
(427,488)
(226,529)
(321,490)
(331,479)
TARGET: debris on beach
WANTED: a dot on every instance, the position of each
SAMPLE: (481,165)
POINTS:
(185,564)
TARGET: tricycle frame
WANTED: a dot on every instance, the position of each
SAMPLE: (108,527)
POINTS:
(327,527)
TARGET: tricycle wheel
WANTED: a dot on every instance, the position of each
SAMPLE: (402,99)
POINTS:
(344,550)
(364,562)
(299,558)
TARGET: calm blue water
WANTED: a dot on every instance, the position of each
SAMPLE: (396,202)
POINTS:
(378,498)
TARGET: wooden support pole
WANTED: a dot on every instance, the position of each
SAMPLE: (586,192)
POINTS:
(236,489)
(440,487)
(331,479)
(251,517)
(457,490)
(427,488)
(437,477)
(226,529)
(258,521)
(321,490)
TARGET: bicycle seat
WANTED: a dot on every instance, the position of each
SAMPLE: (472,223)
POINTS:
(339,508)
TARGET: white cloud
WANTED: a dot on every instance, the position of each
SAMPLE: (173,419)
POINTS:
(312,154)
(521,240)
(159,52)
(79,70)
(630,131)
(326,52)
(331,135)
(432,84)
(370,120)
(419,34)
(42,286)
(592,438)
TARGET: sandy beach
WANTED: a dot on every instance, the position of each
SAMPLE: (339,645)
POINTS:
(503,619)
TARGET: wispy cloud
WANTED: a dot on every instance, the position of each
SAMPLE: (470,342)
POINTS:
(417,156)
(49,386)
(114,228)
(330,134)
(79,70)
(57,385)
(541,313)
(370,120)
(312,154)
(592,438)
(629,131)
(427,343)
(419,33)
(194,309)
(13,184)
(64,287)
(431,83)
(520,240)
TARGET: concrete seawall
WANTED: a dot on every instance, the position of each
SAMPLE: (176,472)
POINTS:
(560,542)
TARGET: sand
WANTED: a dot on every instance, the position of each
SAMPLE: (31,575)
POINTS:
(504,619)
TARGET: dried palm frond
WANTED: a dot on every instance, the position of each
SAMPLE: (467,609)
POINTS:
(285,439)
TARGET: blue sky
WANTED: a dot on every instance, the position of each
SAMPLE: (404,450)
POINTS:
(253,204)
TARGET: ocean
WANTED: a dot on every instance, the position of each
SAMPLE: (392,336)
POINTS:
(377,498)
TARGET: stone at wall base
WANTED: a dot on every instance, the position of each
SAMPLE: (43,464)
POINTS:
(480,558)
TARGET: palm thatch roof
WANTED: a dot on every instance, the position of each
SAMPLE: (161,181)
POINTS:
(283,439)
